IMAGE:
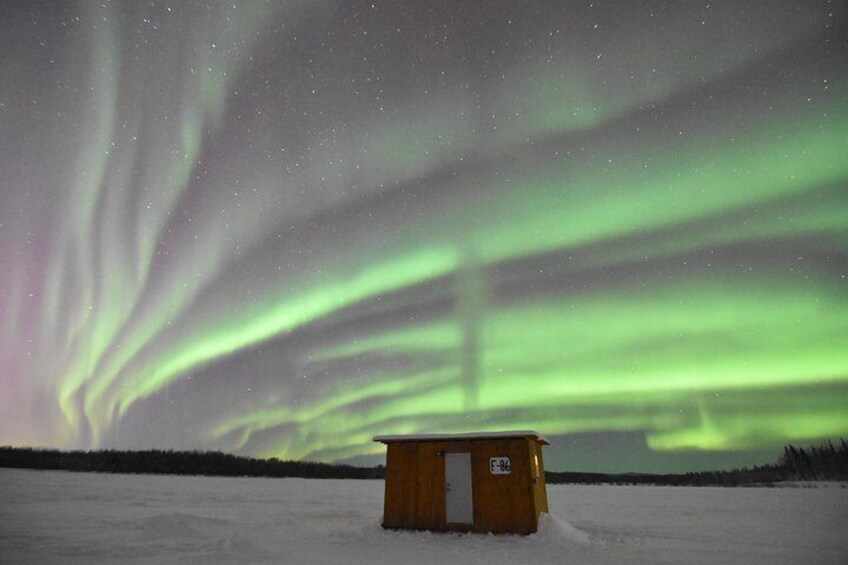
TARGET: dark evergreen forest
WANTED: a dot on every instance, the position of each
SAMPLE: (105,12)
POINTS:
(177,463)
(827,462)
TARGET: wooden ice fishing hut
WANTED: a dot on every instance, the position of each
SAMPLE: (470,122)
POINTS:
(481,482)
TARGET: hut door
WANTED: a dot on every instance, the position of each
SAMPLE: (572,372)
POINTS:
(459,505)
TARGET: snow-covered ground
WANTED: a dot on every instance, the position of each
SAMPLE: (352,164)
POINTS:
(58,517)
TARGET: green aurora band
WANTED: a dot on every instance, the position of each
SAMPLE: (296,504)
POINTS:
(556,245)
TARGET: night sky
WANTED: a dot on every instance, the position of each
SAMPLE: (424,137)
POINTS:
(278,229)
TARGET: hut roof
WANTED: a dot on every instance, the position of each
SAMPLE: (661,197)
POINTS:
(463,437)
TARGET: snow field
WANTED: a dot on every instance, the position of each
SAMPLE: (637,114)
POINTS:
(59,517)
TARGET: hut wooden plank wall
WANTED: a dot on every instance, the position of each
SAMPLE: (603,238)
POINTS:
(487,482)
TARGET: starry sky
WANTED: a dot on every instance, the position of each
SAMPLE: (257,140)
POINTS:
(280,228)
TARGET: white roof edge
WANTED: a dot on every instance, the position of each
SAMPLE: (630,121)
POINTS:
(463,436)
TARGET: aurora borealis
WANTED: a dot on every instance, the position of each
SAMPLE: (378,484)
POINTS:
(281,228)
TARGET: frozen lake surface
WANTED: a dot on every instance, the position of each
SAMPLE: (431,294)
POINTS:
(60,517)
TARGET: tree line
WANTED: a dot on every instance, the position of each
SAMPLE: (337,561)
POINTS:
(826,462)
(169,462)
